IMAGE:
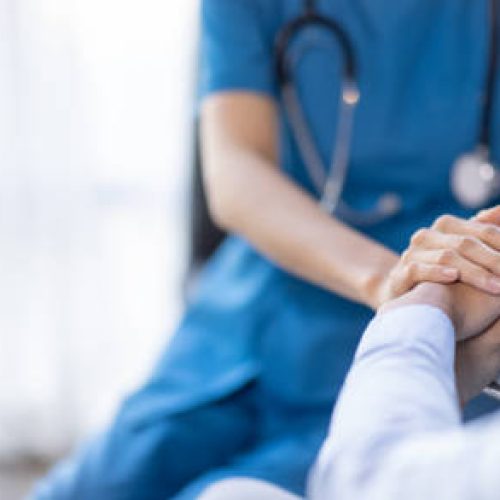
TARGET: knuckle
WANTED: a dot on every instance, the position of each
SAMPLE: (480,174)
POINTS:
(412,270)
(443,222)
(489,232)
(404,276)
(446,256)
(419,237)
(466,244)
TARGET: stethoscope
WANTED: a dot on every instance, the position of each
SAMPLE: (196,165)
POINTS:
(475,181)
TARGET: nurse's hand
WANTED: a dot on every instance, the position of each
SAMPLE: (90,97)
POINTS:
(453,249)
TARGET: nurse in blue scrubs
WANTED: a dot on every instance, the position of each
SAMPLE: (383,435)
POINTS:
(247,385)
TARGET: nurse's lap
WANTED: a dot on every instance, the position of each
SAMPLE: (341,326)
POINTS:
(157,457)
(153,457)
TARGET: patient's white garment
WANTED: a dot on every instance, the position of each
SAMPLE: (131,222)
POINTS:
(396,431)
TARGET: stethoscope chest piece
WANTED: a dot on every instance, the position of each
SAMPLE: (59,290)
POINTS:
(475,180)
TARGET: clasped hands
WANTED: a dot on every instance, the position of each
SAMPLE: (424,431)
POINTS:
(474,309)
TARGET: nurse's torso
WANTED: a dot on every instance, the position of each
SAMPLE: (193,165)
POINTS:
(422,72)
(422,69)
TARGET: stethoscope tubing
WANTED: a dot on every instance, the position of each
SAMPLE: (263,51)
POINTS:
(333,183)
(329,183)
(309,19)
(485,138)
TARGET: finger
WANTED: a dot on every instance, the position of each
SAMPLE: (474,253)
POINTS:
(477,363)
(469,247)
(469,273)
(489,216)
(486,232)
(414,273)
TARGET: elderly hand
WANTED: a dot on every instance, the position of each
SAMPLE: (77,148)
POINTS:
(477,363)
(475,316)
(471,311)
(452,250)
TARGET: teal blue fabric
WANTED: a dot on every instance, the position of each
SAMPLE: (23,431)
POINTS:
(422,68)
(150,456)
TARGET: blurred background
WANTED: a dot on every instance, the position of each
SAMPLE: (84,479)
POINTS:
(96,151)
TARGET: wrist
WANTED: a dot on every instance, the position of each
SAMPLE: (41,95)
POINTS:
(430,294)
(374,289)
(437,295)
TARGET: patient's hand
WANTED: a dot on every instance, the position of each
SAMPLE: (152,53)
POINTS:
(469,304)
(478,363)
(478,359)
(471,311)
(475,316)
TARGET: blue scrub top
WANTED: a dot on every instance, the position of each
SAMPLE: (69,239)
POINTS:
(422,66)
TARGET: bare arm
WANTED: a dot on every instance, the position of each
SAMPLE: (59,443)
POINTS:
(248,195)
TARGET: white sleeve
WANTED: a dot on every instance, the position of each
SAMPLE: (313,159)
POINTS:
(396,431)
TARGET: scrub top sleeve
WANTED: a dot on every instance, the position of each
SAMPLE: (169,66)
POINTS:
(236,48)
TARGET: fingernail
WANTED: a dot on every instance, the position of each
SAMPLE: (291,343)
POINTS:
(450,272)
(494,285)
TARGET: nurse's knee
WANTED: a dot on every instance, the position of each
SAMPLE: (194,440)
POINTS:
(244,489)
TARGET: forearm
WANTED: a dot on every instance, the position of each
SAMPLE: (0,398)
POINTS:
(287,225)
(249,195)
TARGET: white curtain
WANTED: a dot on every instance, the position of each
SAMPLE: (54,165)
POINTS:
(96,111)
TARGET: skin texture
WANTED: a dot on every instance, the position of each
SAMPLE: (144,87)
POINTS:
(476,319)
(475,316)
(477,363)
(467,249)
(248,195)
